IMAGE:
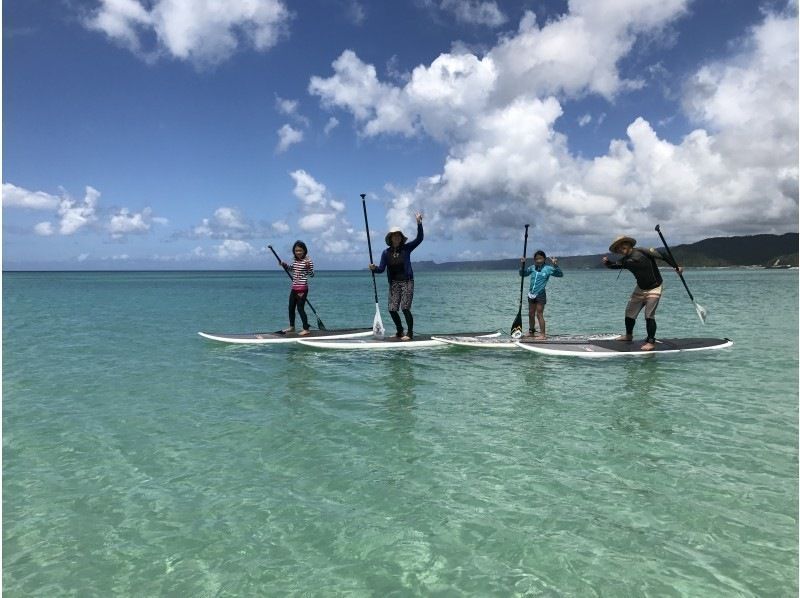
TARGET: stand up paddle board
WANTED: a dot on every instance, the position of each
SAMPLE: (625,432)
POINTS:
(271,338)
(389,342)
(509,342)
(615,348)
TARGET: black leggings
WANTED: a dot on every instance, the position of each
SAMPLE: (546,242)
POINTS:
(651,328)
(297,299)
(399,324)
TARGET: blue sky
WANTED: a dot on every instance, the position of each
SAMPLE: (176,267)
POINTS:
(187,134)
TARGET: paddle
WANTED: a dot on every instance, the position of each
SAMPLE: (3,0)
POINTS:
(320,325)
(377,323)
(702,313)
(516,327)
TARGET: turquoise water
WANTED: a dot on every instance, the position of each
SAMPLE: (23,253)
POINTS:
(142,460)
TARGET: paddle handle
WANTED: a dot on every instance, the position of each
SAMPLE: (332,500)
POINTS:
(369,243)
(672,257)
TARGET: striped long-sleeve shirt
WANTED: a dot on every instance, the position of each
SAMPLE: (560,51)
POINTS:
(301,270)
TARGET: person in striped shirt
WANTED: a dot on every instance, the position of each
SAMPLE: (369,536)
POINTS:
(300,269)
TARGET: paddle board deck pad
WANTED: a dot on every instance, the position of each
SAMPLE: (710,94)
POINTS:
(614,348)
(390,342)
(508,342)
(270,338)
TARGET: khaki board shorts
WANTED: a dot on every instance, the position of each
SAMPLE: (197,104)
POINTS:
(643,299)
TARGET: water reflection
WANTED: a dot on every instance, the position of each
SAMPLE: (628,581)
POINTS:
(399,383)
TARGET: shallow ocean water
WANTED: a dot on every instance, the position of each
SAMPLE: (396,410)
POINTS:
(141,459)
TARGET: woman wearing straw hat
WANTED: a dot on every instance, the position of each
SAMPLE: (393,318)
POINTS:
(396,260)
(647,292)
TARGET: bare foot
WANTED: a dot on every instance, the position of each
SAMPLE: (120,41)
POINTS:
(625,337)
(540,337)
(304,332)
(289,329)
(406,338)
(648,346)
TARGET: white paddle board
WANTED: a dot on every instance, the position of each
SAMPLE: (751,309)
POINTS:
(271,338)
(418,342)
(509,342)
(615,348)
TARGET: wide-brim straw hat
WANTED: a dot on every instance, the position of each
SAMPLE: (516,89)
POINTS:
(619,241)
(394,229)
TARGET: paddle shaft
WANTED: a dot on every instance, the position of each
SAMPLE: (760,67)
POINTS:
(524,255)
(320,325)
(517,323)
(672,257)
(369,244)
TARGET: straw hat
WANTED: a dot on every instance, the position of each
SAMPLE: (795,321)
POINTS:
(394,229)
(619,241)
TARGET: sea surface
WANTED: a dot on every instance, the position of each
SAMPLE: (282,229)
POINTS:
(142,460)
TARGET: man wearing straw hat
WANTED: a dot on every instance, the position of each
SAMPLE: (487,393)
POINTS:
(647,292)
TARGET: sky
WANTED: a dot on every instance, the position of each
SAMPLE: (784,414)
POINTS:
(191,134)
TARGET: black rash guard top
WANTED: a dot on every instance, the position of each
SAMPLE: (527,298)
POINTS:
(642,263)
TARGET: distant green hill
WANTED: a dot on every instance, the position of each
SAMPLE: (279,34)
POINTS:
(753,250)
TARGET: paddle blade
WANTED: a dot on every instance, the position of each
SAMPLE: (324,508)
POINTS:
(702,313)
(516,327)
(377,324)
(320,325)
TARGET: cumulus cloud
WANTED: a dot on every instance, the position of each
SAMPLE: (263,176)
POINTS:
(125,222)
(17,197)
(44,229)
(226,223)
(231,249)
(280,227)
(287,136)
(573,56)
(74,215)
(204,32)
(497,114)
(323,216)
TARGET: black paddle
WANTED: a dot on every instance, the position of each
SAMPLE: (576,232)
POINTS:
(320,325)
(702,313)
(516,327)
(377,323)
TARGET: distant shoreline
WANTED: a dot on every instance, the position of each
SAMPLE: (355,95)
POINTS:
(754,251)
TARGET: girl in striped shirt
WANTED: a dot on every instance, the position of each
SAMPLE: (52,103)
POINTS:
(301,269)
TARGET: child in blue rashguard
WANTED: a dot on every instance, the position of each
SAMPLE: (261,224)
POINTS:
(540,273)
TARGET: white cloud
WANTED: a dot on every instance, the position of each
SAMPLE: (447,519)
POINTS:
(204,32)
(287,107)
(476,12)
(322,216)
(356,12)
(316,222)
(332,123)
(83,257)
(288,136)
(17,197)
(584,120)
(124,222)
(76,215)
(571,57)
(280,227)
(44,229)
(226,223)
(497,115)
(233,249)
